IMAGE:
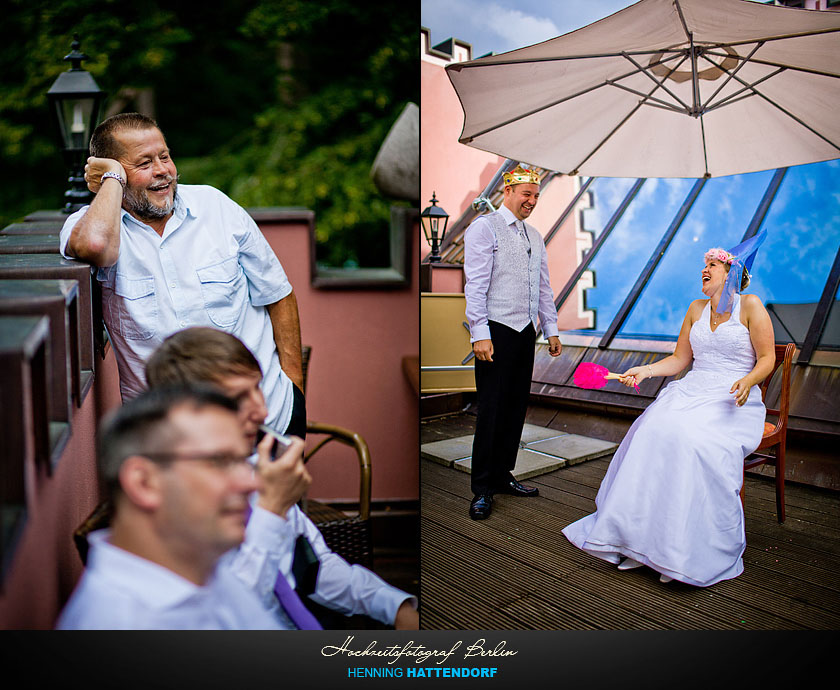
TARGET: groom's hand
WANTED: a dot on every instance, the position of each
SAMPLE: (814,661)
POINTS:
(483,350)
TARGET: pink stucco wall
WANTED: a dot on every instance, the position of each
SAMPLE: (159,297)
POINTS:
(46,565)
(454,172)
(563,249)
(458,174)
(447,280)
(359,338)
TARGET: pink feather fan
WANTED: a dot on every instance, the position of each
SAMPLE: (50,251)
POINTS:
(591,375)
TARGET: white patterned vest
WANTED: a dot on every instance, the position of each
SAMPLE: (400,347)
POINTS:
(514,292)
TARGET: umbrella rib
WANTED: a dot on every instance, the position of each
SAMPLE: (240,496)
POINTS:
(729,76)
(780,37)
(669,108)
(734,97)
(660,84)
(664,104)
(606,138)
(731,100)
(629,115)
(458,66)
(472,137)
(469,139)
(771,63)
(682,19)
(776,105)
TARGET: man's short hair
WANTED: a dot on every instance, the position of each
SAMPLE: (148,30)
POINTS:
(199,354)
(102,142)
(142,426)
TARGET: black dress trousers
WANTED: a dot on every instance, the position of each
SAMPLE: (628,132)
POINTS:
(503,388)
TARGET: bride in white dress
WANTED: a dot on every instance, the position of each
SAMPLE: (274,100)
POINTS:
(670,498)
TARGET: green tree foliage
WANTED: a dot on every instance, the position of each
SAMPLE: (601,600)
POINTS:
(35,35)
(276,102)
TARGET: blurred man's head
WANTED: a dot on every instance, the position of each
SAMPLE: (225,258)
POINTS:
(176,460)
(203,355)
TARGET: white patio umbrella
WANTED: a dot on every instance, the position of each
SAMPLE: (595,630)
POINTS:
(664,88)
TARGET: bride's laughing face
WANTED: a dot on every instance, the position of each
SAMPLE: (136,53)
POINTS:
(713,276)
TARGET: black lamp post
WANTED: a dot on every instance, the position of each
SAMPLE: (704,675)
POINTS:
(76,100)
(434,220)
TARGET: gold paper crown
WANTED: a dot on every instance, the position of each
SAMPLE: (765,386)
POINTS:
(520,175)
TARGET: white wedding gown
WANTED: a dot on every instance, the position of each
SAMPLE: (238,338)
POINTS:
(670,497)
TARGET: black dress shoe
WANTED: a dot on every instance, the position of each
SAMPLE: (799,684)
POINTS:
(481,506)
(514,488)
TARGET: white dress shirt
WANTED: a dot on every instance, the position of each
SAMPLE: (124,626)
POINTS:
(211,267)
(480,245)
(349,589)
(121,591)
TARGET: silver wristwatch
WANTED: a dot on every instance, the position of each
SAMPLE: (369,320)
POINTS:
(116,176)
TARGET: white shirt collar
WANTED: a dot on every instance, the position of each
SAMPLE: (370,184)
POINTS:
(507,214)
(151,583)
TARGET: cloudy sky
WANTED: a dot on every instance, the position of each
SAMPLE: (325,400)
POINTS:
(501,25)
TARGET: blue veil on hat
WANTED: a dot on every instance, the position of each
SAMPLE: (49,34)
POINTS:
(744,254)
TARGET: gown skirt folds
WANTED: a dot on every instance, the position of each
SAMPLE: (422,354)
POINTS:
(670,497)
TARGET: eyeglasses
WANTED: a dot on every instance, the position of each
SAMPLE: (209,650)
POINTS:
(222,461)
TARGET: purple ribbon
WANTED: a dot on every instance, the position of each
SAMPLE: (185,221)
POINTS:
(293,606)
(290,601)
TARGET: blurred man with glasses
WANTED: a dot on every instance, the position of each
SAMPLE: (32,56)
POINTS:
(175,462)
(208,356)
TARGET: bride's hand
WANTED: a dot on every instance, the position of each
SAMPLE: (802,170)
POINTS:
(741,390)
(634,376)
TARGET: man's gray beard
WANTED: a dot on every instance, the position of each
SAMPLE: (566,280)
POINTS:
(139,205)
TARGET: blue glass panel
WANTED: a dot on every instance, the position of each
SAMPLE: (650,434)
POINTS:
(607,193)
(627,250)
(718,218)
(803,234)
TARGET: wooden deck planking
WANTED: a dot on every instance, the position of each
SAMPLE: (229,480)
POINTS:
(518,570)
(571,576)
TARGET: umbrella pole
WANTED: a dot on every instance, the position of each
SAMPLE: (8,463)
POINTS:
(695,85)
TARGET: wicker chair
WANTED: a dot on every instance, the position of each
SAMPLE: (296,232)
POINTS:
(349,537)
(100,518)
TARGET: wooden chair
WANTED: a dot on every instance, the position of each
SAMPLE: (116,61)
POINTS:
(775,434)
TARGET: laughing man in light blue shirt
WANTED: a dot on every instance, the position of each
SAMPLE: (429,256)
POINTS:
(170,256)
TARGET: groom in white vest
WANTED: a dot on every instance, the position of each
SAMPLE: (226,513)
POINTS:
(507,288)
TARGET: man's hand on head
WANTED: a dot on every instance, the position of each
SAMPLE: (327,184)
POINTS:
(97,167)
(282,481)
